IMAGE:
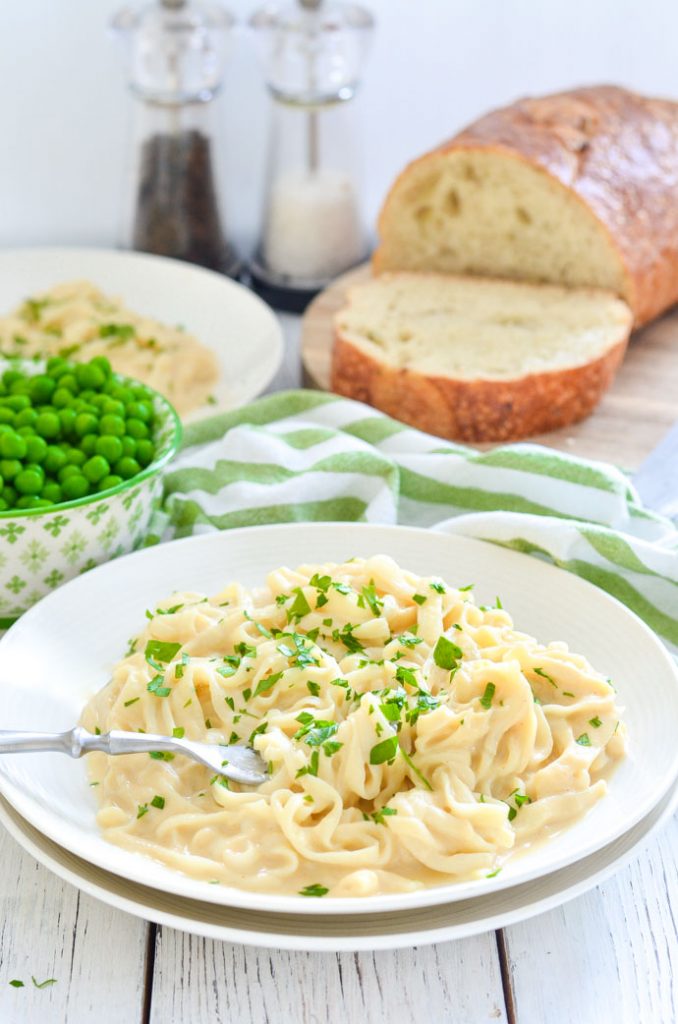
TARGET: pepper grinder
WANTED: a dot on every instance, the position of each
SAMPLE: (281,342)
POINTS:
(174,203)
(313,52)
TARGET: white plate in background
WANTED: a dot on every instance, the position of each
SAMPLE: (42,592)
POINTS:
(63,649)
(241,330)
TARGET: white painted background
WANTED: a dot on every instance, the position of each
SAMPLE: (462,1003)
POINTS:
(435,64)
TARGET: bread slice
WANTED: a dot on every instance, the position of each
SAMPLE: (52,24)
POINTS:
(473,359)
(576,188)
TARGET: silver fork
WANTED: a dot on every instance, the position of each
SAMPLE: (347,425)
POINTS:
(241,764)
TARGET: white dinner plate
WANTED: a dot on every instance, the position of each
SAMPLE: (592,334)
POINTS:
(62,650)
(419,926)
(241,330)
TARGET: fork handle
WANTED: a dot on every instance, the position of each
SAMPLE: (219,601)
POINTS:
(78,741)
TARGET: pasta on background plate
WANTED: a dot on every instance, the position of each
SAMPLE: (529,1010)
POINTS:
(413,738)
(77,321)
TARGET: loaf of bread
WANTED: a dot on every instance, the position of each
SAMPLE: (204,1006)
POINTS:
(473,359)
(577,189)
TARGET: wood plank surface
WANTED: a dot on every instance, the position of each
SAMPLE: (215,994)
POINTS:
(48,929)
(609,956)
(227,984)
(633,416)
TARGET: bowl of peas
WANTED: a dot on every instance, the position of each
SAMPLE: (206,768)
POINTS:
(82,451)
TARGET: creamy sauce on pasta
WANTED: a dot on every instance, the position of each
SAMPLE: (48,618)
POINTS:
(413,737)
(78,321)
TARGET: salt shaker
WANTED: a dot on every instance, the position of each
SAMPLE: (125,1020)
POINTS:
(174,202)
(313,230)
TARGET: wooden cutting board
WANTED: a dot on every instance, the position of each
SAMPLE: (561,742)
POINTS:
(636,412)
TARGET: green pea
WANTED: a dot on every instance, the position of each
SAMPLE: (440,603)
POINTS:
(9,495)
(9,468)
(76,457)
(42,388)
(67,471)
(67,420)
(74,487)
(129,445)
(55,459)
(48,425)
(140,411)
(9,376)
(112,407)
(62,398)
(110,424)
(86,423)
(52,492)
(103,364)
(3,505)
(96,468)
(18,402)
(6,415)
(20,387)
(26,418)
(28,482)
(136,429)
(110,447)
(36,449)
(30,501)
(12,446)
(70,381)
(26,431)
(145,452)
(88,443)
(56,363)
(112,480)
(90,376)
(127,467)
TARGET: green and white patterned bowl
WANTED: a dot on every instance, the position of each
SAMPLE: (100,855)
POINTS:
(42,548)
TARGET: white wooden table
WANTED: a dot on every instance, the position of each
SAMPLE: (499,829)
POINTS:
(609,957)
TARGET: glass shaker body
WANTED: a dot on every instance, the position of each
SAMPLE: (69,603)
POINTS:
(174,203)
(313,227)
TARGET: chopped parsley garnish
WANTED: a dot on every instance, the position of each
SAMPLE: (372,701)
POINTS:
(406,676)
(314,731)
(169,611)
(314,890)
(294,647)
(493,874)
(158,801)
(178,732)
(546,676)
(584,740)
(160,755)
(313,688)
(595,722)
(312,767)
(128,703)
(469,586)
(42,984)
(123,332)
(157,688)
(267,683)
(497,603)
(345,636)
(233,738)
(299,606)
(447,654)
(409,640)
(331,747)
(141,810)
(438,587)
(368,595)
(408,760)
(378,816)
(419,598)
(486,699)
(567,693)
(245,650)
(384,751)
(160,650)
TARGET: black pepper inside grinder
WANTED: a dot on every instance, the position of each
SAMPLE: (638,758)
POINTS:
(174,205)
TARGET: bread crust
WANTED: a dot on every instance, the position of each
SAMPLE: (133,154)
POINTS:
(617,152)
(474,410)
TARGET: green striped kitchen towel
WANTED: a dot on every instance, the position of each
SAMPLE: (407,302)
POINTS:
(304,455)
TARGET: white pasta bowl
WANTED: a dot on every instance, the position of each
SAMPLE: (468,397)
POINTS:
(63,649)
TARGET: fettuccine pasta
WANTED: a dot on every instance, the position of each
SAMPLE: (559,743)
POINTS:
(413,738)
